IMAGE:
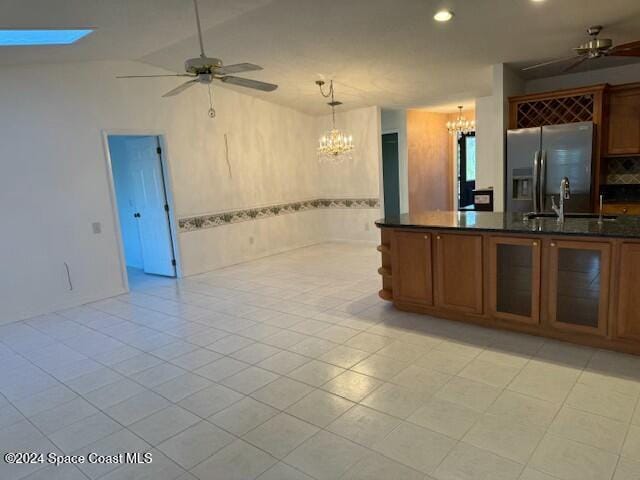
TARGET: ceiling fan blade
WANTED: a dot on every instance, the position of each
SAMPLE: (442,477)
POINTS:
(575,64)
(551,62)
(238,68)
(631,49)
(154,76)
(180,88)
(245,82)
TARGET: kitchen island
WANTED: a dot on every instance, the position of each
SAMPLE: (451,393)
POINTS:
(578,281)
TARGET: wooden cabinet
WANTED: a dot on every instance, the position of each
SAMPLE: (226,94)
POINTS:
(583,104)
(628,316)
(514,279)
(412,267)
(584,290)
(578,275)
(458,272)
(621,208)
(623,120)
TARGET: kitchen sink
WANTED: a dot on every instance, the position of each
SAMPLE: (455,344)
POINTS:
(588,216)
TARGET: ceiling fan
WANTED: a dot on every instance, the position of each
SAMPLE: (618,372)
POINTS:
(205,70)
(595,48)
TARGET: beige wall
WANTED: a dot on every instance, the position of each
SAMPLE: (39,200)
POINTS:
(492,115)
(55,181)
(357,178)
(430,167)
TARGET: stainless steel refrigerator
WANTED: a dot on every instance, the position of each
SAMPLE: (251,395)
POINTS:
(537,160)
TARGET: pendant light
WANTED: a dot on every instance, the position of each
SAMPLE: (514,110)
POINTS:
(461,124)
(334,146)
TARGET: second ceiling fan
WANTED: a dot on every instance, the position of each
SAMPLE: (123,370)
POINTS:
(595,48)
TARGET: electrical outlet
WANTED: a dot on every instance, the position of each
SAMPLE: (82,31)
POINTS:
(251,240)
(96,227)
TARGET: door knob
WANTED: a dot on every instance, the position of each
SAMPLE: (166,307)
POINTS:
(136,215)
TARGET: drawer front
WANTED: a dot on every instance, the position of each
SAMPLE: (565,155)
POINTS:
(621,208)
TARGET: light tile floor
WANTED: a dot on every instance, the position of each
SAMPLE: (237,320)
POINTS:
(290,367)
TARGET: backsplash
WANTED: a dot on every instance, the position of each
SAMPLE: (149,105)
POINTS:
(623,171)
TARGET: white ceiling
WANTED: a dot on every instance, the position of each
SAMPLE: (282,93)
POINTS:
(380,52)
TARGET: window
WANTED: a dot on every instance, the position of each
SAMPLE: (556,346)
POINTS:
(466,169)
(471,158)
(14,38)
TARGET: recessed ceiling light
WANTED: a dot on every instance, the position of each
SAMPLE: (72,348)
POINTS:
(443,16)
(14,37)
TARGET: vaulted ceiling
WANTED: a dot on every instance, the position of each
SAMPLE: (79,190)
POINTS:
(380,52)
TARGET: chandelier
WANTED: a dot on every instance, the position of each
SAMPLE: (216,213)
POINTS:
(334,146)
(461,124)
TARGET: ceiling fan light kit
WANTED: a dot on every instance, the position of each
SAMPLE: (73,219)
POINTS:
(334,146)
(205,70)
(596,47)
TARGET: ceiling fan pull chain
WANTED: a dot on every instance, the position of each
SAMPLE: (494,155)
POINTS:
(212,111)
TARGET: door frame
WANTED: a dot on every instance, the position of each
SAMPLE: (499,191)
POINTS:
(403,169)
(168,188)
(396,132)
(459,150)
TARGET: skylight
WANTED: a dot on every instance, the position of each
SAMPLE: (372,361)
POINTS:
(12,38)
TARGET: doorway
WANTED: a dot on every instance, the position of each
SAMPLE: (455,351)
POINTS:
(140,186)
(466,169)
(391,175)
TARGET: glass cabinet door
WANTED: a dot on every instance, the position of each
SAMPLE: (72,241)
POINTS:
(579,286)
(515,279)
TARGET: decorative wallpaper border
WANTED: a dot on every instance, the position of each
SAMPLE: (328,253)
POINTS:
(200,222)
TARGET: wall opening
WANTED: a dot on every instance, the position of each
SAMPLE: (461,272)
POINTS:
(144,211)
(466,166)
(391,174)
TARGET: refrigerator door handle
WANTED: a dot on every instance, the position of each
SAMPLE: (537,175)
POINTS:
(536,168)
(543,179)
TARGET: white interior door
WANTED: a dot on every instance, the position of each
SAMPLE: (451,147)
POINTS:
(150,200)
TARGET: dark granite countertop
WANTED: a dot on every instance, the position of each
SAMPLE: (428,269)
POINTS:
(622,227)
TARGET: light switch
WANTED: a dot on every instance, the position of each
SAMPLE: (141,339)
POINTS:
(96,227)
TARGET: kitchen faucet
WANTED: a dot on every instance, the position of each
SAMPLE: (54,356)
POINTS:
(565,194)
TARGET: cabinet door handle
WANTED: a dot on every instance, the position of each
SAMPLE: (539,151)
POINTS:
(625,210)
(535,244)
(553,244)
(438,237)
